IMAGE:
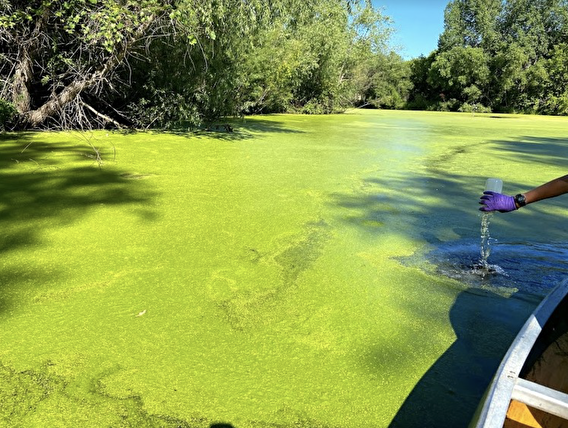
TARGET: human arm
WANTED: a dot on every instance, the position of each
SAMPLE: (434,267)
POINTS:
(492,201)
(553,188)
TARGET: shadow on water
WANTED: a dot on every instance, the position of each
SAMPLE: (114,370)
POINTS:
(449,392)
(536,150)
(440,209)
(438,206)
(237,130)
(50,184)
(485,319)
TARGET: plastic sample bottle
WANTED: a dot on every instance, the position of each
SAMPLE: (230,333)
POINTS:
(494,185)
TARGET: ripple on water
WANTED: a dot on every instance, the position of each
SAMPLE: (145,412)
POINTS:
(533,268)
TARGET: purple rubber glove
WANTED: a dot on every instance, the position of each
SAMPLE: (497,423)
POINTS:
(492,201)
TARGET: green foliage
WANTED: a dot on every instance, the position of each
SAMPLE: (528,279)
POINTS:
(166,110)
(557,84)
(164,63)
(7,113)
(275,69)
(423,93)
(460,73)
(506,56)
(385,81)
(470,23)
(314,62)
(296,57)
(474,108)
(195,77)
(60,52)
(98,24)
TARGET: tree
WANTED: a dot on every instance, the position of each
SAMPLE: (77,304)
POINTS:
(370,68)
(250,64)
(385,81)
(423,92)
(557,67)
(503,54)
(181,82)
(303,59)
(64,60)
(81,63)
(55,52)
(470,23)
(462,73)
(530,31)
(317,61)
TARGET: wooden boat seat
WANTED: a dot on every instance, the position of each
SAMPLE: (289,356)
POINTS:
(541,400)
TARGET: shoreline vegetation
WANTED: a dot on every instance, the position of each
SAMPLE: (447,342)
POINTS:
(156,64)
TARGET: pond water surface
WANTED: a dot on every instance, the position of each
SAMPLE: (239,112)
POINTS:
(302,271)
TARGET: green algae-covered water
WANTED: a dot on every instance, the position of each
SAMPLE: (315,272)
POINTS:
(303,271)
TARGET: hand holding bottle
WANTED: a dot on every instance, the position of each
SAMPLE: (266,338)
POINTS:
(493,201)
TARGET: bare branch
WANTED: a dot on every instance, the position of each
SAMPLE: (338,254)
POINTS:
(101,115)
(95,80)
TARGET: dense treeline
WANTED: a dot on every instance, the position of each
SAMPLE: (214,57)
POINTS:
(161,63)
(166,63)
(509,56)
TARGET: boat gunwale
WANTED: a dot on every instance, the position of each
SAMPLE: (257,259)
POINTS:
(496,400)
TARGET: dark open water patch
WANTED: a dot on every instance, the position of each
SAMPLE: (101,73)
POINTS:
(525,267)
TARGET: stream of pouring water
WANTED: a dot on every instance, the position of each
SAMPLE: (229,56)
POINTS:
(485,243)
(492,185)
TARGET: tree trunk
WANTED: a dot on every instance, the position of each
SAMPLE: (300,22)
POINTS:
(23,75)
(57,101)
(20,90)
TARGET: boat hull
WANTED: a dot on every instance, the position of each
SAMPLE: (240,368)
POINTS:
(534,364)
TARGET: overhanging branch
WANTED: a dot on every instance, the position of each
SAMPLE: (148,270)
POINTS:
(57,101)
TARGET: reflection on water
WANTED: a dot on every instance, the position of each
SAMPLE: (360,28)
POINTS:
(528,268)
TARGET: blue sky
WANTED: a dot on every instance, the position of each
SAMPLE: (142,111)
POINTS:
(418,23)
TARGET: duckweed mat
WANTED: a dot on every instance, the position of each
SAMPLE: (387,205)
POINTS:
(277,276)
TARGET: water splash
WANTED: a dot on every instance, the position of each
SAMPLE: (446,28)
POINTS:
(482,267)
(530,267)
